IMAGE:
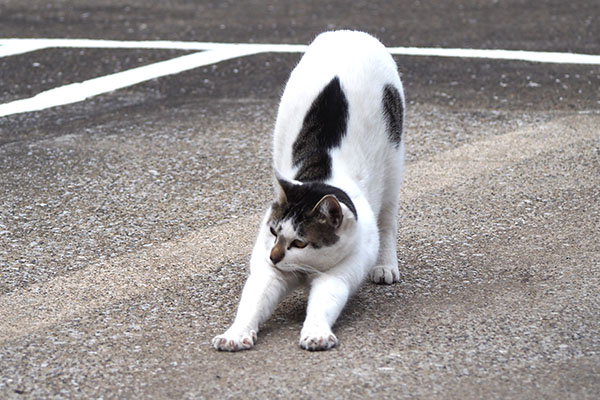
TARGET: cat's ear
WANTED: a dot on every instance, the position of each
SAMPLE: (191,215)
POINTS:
(280,188)
(329,207)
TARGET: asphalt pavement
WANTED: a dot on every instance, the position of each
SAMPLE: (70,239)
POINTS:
(127,220)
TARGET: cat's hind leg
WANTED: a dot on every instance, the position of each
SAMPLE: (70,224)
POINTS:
(386,267)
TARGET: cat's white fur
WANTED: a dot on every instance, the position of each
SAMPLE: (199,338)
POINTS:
(367,166)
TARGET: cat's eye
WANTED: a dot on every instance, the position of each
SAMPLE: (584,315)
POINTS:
(299,244)
(273,231)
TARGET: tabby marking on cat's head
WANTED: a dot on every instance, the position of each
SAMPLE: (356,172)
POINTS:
(311,225)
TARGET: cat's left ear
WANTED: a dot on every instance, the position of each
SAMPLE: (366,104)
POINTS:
(330,208)
(281,186)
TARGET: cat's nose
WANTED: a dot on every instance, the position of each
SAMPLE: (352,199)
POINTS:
(276,255)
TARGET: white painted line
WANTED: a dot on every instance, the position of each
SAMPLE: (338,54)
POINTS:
(213,53)
(109,44)
(12,49)
(76,92)
(531,56)
(517,55)
(36,44)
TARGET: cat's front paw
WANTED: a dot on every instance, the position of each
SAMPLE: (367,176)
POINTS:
(235,340)
(317,339)
(387,274)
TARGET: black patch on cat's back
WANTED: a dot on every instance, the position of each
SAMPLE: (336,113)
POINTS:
(323,128)
(393,109)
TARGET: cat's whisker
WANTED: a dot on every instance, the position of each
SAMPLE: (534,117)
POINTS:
(308,268)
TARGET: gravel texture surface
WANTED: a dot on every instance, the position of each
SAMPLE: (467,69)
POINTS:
(127,220)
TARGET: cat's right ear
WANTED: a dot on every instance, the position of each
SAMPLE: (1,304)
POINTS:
(331,210)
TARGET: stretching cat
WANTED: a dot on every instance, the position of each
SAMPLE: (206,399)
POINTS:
(338,156)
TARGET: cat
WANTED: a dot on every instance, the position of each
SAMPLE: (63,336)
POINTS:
(338,155)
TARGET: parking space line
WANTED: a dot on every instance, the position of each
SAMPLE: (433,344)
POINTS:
(76,92)
(515,55)
(12,49)
(37,44)
(497,54)
(212,54)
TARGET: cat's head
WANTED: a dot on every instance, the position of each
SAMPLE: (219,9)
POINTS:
(311,226)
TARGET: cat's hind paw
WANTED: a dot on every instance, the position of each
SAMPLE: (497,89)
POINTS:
(235,341)
(317,340)
(387,274)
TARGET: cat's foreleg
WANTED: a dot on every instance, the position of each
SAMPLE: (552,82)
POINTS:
(261,294)
(328,296)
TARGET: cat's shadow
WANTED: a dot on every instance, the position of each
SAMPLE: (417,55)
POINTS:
(369,304)
(290,312)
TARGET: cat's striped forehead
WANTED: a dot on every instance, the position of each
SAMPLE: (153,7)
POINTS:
(295,212)
(300,199)
(301,226)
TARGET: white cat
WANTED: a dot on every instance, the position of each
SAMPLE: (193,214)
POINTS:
(338,157)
